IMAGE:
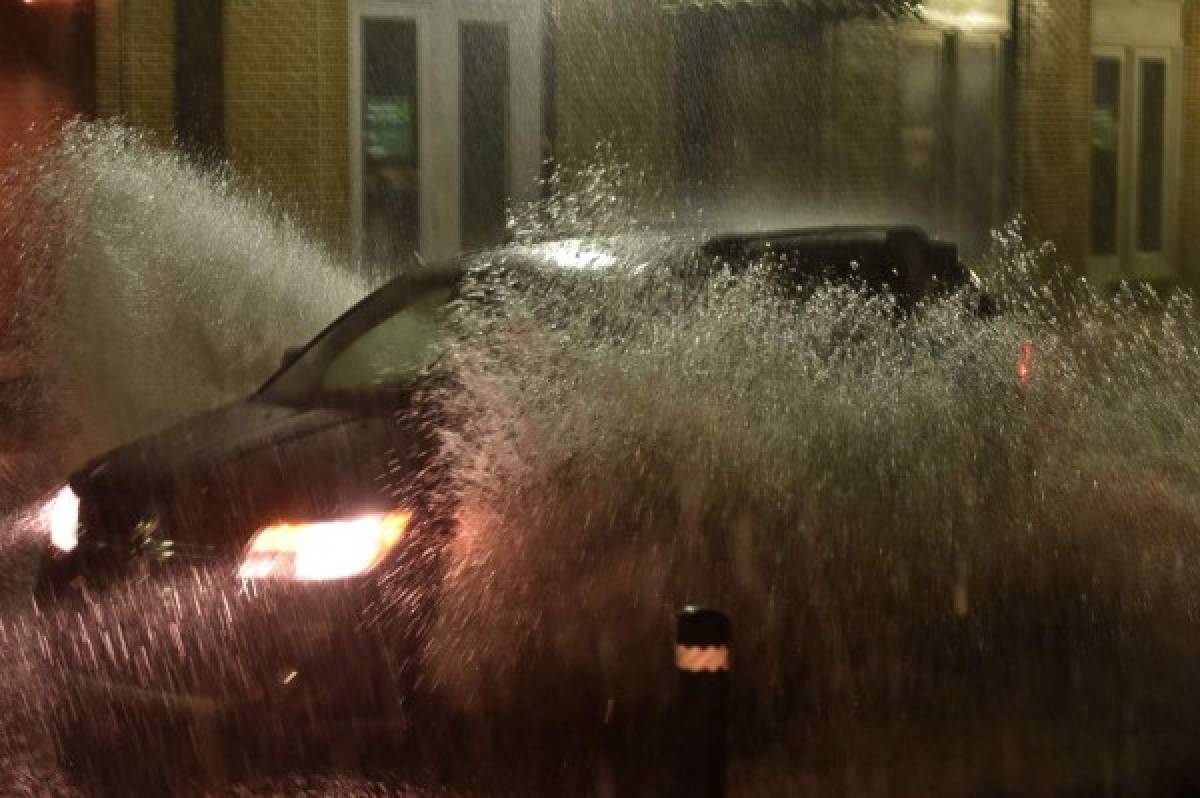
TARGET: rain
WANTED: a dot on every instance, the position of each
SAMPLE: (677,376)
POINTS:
(440,548)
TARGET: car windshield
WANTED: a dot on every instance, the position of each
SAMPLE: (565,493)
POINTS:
(377,349)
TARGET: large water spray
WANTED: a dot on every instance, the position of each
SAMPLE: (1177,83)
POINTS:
(944,577)
(944,540)
(152,289)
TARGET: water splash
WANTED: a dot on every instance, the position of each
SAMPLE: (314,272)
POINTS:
(151,288)
(933,570)
(914,545)
(600,196)
(144,289)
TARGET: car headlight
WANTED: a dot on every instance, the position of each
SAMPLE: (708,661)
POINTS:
(61,515)
(322,550)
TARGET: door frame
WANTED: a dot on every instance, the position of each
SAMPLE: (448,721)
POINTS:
(1133,31)
(1129,262)
(1154,264)
(1109,267)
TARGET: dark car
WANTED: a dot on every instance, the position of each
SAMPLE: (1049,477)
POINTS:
(315,495)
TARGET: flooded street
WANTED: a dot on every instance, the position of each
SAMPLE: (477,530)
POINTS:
(28,760)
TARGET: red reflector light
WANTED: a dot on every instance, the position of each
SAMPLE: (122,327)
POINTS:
(1025,364)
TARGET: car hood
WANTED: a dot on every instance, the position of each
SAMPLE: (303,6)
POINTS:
(217,477)
(206,440)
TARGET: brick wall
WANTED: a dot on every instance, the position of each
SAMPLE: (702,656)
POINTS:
(286,84)
(615,67)
(769,100)
(108,77)
(1053,77)
(286,106)
(135,63)
(862,139)
(804,120)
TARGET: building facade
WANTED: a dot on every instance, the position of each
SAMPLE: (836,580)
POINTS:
(395,126)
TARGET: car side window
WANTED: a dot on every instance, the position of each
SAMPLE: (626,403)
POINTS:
(810,266)
(397,348)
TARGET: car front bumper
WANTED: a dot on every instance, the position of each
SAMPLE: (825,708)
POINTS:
(276,664)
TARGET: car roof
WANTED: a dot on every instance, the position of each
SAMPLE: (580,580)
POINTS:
(832,234)
(881,253)
(594,252)
(834,243)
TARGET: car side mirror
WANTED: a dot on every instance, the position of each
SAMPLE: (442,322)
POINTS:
(290,355)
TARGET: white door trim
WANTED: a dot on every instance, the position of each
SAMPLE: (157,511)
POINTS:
(1156,264)
(1128,262)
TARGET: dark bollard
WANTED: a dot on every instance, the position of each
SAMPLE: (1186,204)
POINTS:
(702,658)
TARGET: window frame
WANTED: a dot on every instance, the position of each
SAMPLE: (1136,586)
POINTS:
(1161,261)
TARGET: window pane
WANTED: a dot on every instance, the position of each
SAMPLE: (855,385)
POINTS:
(1150,155)
(200,78)
(1106,147)
(484,48)
(389,133)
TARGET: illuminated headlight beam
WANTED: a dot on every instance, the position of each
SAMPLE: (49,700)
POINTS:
(322,550)
(61,515)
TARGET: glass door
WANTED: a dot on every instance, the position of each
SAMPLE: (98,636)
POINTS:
(445,124)
(1149,200)
(1134,139)
(389,140)
(484,119)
